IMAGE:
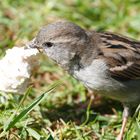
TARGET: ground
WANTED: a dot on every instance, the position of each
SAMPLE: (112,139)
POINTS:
(69,112)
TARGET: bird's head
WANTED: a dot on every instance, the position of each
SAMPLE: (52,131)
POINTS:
(61,41)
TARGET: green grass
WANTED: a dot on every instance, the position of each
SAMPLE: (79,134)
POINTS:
(69,112)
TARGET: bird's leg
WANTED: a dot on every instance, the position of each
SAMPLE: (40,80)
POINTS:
(126,113)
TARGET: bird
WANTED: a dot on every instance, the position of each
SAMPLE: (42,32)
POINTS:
(105,62)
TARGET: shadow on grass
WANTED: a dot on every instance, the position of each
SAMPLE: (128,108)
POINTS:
(77,112)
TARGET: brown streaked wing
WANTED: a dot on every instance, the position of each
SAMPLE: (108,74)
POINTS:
(122,55)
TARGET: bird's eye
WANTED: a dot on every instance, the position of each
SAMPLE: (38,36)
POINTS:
(47,44)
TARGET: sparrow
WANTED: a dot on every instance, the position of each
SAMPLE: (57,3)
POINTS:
(104,62)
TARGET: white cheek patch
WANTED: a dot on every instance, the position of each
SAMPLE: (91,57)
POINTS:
(49,53)
(61,56)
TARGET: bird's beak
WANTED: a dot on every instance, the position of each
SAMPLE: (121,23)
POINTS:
(33,44)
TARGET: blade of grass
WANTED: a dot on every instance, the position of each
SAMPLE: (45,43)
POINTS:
(138,128)
(15,112)
(24,97)
(31,106)
(88,111)
(134,116)
(50,138)
(133,120)
(33,133)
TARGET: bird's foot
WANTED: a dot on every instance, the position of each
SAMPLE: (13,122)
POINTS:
(126,113)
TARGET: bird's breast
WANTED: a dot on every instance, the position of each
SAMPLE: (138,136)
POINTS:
(95,76)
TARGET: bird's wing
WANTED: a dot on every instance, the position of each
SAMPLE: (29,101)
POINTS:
(122,55)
